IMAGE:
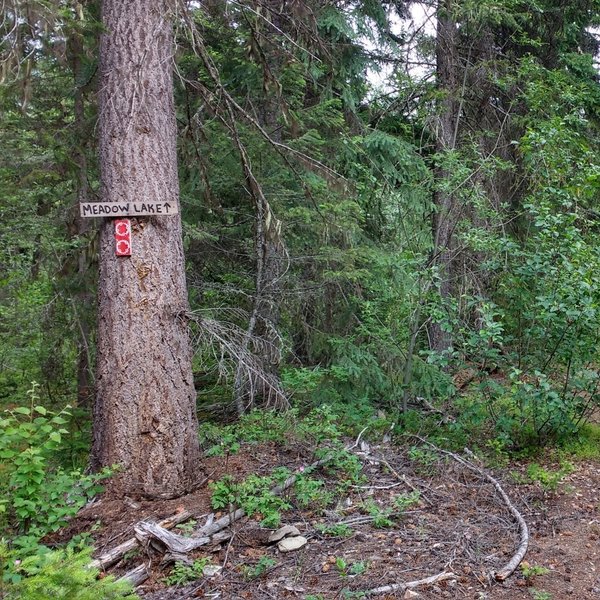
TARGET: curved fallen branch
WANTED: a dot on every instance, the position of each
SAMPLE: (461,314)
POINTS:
(509,568)
(410,585)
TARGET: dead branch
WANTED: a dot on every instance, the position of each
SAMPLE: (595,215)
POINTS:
(232,352)
(179,546)
(518,556)
(410,585)
(136,576)
(401,478)
(110,558)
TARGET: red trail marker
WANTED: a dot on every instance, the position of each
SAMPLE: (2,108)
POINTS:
(122,237)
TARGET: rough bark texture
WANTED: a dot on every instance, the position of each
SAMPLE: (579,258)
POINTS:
(144,414)
(445,215)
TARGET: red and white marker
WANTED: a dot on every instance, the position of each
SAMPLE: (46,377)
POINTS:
(122,237)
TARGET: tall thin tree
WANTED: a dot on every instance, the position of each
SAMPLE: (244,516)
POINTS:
(144,413)
(445,217)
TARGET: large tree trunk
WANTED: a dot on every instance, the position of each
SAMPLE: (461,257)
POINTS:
(144,414)
(445,216)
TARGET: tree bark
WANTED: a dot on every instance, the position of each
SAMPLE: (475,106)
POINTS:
(144,413)
(445,217)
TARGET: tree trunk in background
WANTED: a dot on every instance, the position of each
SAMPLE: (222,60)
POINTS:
(269,246)
(271,264)
(144,414)
(445,217)
(82,296)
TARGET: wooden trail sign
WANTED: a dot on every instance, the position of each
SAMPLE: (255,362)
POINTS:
(127,209)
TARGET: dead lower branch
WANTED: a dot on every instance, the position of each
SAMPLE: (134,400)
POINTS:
(233,351)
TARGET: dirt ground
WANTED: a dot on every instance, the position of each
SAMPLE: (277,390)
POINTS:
(460,525)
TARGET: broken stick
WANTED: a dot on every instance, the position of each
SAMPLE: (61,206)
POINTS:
(112,556)
(410,585)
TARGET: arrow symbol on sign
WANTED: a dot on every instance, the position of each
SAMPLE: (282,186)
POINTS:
(167,206)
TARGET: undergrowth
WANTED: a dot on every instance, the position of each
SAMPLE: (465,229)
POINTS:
(181,573)
(37,494)
(63,574)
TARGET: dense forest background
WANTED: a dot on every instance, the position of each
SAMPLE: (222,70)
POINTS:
(390,208)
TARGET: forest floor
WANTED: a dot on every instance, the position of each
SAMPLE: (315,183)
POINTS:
(458,524)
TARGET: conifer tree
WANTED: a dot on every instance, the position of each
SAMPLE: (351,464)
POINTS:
(144,413)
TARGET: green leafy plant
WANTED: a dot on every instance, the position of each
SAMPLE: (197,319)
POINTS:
(218,440)
(266,425)
(253,494)
(181,573)
(310,492)
(530,571)
(36,494)
(403,502)
(549,480)
(425,460)
(359,568)
(381,516)
(223,492)
(337,530)
(260,568)
(341,565)
(344,464)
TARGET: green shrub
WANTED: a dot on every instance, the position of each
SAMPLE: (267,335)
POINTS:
(64,575)
(336,530)
(260,568)
(253,494)
(37,495)
(311,493)
(549,480)
(182,573)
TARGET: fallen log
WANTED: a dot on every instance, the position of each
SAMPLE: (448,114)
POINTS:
(112,556)
(136,576)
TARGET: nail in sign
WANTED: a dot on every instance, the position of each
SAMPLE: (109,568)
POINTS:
(122,237)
